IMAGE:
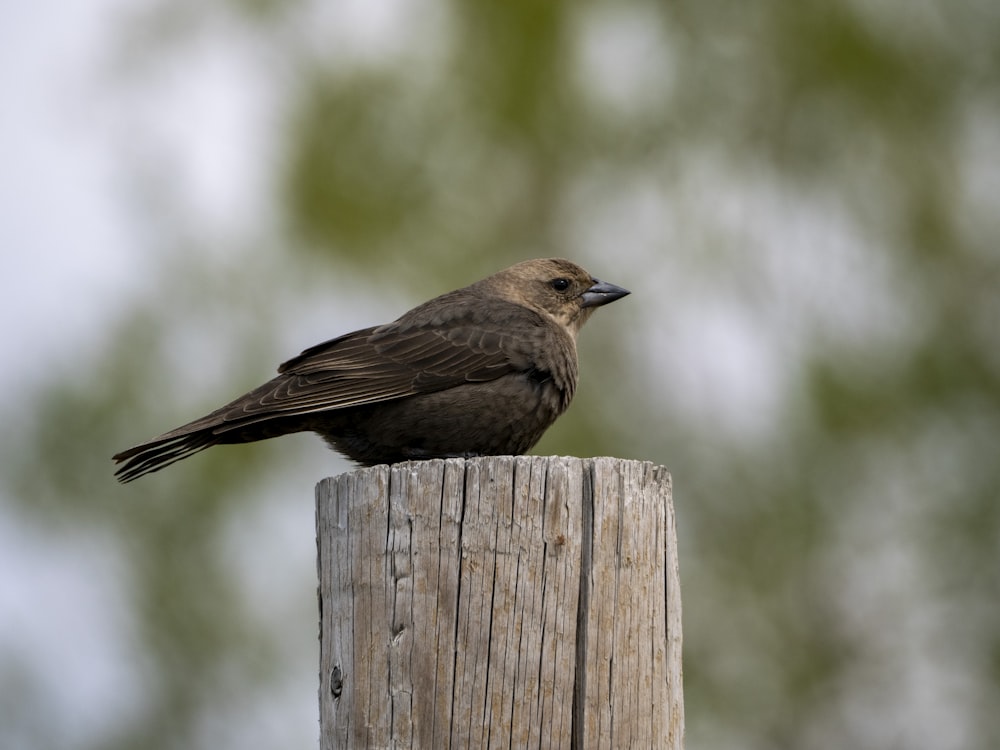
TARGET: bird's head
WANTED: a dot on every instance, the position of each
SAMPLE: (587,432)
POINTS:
(557,288)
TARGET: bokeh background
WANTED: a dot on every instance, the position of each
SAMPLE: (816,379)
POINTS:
(803,197)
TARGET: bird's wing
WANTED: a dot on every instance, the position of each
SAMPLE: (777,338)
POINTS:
(419,353)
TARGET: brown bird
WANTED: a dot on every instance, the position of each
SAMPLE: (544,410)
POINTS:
(480,371)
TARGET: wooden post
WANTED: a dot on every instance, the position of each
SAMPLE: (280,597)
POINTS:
(499,602)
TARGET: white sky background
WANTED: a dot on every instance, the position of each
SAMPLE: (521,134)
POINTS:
(75,253)
(64,234)
(65,243)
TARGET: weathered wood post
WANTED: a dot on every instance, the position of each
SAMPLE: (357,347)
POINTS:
(499,602)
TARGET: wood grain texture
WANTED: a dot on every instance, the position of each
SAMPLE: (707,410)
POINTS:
(499,602)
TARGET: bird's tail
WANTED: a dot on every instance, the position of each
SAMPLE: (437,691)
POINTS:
(160,452)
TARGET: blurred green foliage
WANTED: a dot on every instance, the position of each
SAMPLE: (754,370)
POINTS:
(835,560)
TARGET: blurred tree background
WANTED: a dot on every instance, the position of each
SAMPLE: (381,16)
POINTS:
(803,198)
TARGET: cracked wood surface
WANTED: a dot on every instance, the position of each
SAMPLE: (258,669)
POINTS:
(499,602)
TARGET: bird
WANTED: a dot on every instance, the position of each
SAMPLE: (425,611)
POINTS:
(483,370)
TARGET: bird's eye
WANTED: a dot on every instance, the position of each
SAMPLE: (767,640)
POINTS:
(560,285)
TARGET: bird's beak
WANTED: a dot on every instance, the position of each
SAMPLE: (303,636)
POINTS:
(601,293)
